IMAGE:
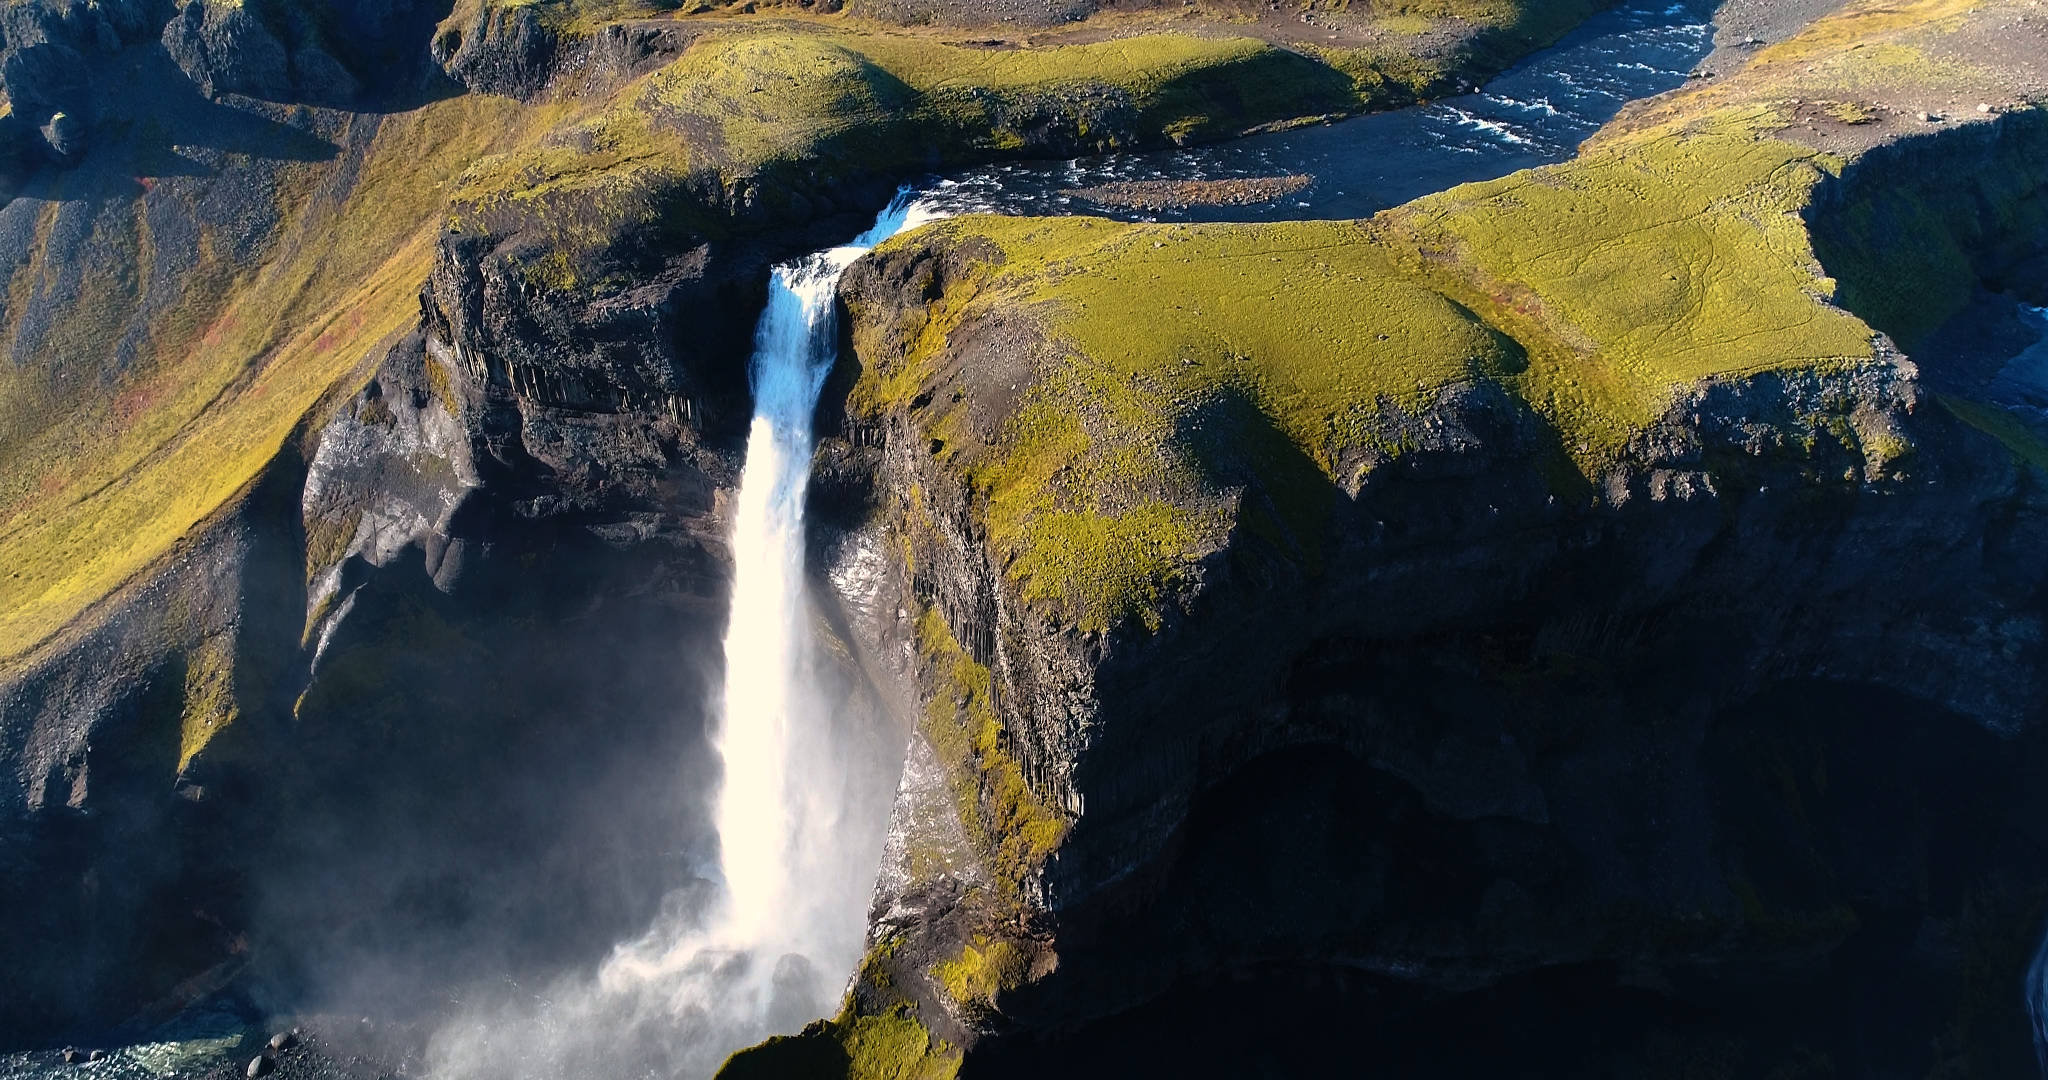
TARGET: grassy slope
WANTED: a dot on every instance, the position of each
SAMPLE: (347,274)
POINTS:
(110,489)
(1312,324)
(1650,264)
(1591,290)
(780,102)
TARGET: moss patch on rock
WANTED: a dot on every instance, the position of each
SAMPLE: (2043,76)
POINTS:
(887,1046)
(210,706)
(1006,821)
(983,969)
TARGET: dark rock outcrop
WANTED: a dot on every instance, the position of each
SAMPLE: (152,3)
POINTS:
(47,77)
(225,48)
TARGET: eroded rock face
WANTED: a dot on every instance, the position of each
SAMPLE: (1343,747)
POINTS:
(1496,724)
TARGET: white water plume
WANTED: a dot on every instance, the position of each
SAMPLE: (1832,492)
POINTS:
(771,951)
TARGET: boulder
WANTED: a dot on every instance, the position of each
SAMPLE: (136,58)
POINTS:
(225,48)
(47,77)
(66,135)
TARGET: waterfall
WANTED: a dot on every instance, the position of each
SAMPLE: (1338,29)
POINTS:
(758,816)
(786,932)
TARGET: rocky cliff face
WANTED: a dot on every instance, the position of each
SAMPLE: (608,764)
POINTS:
(1496,729)
(1316,731)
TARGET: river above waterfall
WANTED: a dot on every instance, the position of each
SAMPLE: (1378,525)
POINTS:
(1536,113)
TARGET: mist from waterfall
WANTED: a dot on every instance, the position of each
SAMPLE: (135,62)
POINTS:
(773,948)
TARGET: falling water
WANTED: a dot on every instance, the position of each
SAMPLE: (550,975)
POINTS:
(765,956)
(758,817)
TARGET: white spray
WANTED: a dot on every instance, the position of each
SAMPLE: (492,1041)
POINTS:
(690,991)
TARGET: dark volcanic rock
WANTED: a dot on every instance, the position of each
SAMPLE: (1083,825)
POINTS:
(225,48)
(504,50)
(66,135)
(46,77)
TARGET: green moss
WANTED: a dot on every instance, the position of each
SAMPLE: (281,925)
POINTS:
(1655,262)
(746,101)
(1010,827)
(889,1046)
(981,971)
(895,1046)
(1387,77)
(210,705)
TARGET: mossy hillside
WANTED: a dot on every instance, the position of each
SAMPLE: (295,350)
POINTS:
(1496,33)
(1867,48)
(737,128)
(1908,248)
(231,370)
(776,104)
(1191,363)
(1644,266)
(892,1045)
(1201,361)
(1140,90)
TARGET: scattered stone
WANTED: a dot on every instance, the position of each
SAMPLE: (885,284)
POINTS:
(1174,194)
(284,1040)
(96,1055)
(1983,108)
(261,1065)
(72,1055)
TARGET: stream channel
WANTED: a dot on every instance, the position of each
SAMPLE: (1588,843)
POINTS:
(1534,114)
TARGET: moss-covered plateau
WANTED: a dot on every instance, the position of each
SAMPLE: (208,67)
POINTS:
(1595,292)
